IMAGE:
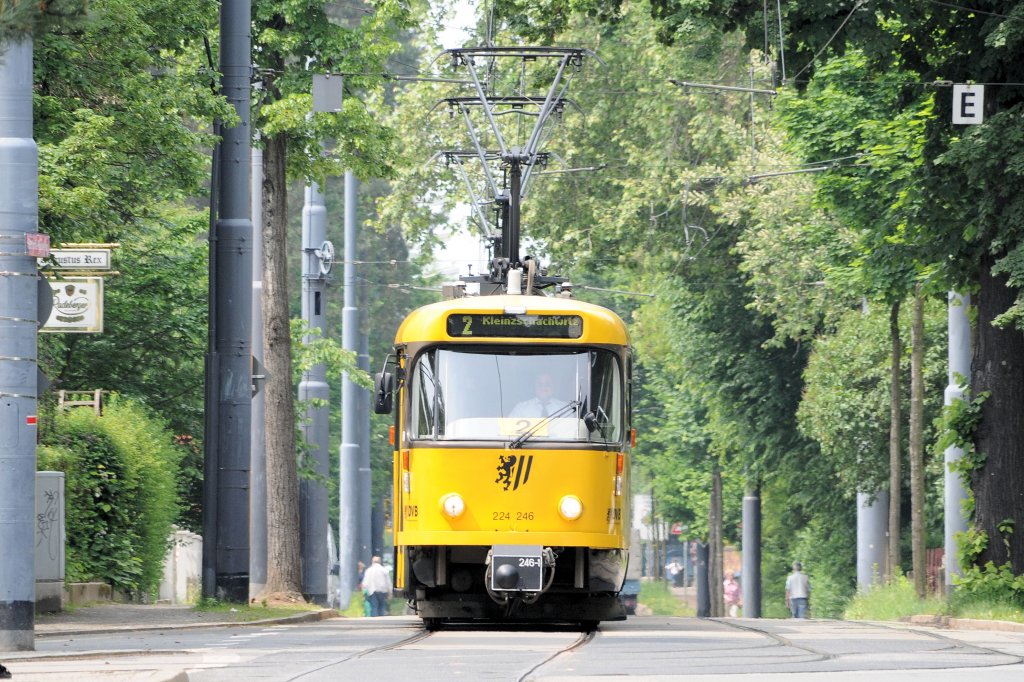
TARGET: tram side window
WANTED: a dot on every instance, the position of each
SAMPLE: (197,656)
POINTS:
(428,407)
(606,392)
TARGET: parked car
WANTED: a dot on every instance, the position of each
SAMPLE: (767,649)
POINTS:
(628,596)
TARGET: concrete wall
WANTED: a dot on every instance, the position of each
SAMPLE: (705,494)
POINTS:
(183,569)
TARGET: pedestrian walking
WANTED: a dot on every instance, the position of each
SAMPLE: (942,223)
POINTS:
(798,591)
(377,585)
(675,571)
(731,593)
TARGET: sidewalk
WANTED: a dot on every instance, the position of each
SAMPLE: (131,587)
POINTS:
(111,617)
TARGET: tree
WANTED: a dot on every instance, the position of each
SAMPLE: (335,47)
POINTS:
(120,105)
(972,219)
(287,33)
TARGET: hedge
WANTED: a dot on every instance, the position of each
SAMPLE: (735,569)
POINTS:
(120,474)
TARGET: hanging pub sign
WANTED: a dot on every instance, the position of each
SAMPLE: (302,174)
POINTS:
(77,306)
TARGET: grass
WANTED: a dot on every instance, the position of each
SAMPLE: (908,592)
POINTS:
(898,601)
(987,610)
(892,602)
(249,612)
(656,595)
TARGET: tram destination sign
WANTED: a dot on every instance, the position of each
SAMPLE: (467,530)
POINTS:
(465,325)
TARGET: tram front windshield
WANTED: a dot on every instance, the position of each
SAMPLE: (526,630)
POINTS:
(500,395)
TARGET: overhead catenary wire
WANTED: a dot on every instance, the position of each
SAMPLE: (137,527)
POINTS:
(973,10)
(857,5)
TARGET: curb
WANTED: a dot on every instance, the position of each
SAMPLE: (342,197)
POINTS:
(951,623)
(308,617)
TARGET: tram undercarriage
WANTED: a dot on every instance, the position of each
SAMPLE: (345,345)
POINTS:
(515,583)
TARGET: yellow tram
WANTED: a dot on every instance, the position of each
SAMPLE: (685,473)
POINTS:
(511,463)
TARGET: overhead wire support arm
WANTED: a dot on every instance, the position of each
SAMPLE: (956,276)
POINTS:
(485,103)
(547,107)
(728,88)
(481,153)
(489,233)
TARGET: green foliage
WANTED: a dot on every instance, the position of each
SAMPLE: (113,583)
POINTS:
(893,601)
(845,405)
(957,426)
(20,18)
(155,332)
(970,545)
(828,554)
(120,489)
(330,39)
(996,609)
(310,348)
(989,583)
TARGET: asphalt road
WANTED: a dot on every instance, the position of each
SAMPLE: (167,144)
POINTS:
(643,648)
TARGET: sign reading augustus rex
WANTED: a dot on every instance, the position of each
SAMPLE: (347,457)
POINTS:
(81,259)
(77,306)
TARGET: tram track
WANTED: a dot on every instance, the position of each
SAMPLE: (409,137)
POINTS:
(584,639)
(951,644)
(391,646)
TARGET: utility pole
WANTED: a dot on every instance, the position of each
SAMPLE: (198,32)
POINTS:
(317,256)
(258,472)
(751,576)
(19,211)
(348,465)
(366,536)
(959,373)
(872,530)
(229,367)
(872,527)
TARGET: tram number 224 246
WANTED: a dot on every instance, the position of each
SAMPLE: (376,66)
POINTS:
(507,516)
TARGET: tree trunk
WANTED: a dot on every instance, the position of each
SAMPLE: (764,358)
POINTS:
(917,534)
(284,575)
(998,366)
(893,569)
(715,549)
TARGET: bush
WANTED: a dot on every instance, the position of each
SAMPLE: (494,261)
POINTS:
(989,584)
(120,474)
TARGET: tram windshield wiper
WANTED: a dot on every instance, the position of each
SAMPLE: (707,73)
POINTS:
(525,435)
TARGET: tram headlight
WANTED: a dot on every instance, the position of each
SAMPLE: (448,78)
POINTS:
(570,507)
(453,505)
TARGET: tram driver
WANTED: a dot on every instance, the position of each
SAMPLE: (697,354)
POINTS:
(543,403)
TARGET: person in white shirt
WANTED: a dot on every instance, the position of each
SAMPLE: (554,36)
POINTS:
(798,591)
(377,585)
(544,403)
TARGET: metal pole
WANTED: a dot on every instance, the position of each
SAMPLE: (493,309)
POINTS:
(313,386)
(703,593)
(19,210)
(366,537)
(959,376)
(872,529)
(233,313)
(512,228)
(750,578)
(348,466)
(258,473)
